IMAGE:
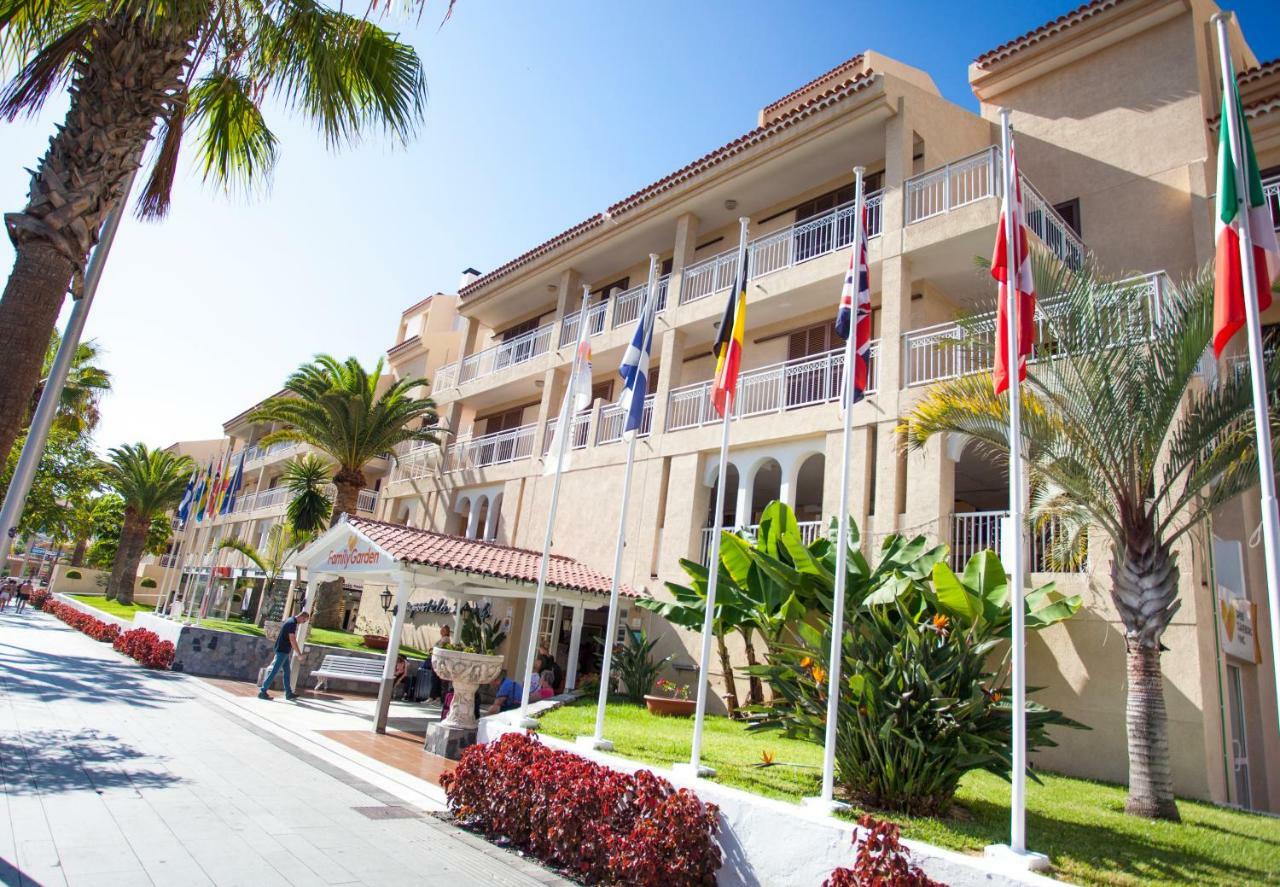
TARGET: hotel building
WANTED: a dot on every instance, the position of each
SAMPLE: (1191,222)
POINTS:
(1114,105)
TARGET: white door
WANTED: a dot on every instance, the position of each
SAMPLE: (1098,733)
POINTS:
(1239,745)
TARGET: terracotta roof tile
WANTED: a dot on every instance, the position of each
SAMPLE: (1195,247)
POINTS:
(824,99)
(1265,69)
(843,67)
(1048,29)
(483,558)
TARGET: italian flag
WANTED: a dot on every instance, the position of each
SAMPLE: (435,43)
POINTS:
(1228,288)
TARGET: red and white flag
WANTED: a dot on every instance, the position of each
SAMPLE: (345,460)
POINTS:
(1022,280)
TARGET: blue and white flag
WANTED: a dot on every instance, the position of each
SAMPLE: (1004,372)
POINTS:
(635,365)
(233,488)
(188,497)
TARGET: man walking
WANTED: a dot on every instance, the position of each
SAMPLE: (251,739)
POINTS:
(286,644)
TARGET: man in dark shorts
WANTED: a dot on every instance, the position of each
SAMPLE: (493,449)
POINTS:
(286,643)
(24,593)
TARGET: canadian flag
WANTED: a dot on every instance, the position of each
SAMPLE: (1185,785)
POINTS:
(1022,280)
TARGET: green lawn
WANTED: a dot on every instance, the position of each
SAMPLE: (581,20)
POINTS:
(1080,824)
(322,636)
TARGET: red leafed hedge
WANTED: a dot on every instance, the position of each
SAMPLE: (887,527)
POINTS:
(881,860)
(95,628)
(596,823)
(39,598)
(146,647)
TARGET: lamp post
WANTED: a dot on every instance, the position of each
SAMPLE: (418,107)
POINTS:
(385,600)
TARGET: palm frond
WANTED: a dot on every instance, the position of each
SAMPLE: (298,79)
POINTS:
(235,147)
(46,72)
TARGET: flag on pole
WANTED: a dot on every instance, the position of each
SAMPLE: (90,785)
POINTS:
(1020,277)
(728,347)
(855,302)
(1228,284)
(233,487)
(188,497)
(215,489)
(576,399)
(202,492)
(635,366)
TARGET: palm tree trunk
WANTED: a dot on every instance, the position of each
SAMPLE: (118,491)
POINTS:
(77,553)
(330,598)
(755,690)
(124,572)
(730,685)
(125,83)
(1145,591)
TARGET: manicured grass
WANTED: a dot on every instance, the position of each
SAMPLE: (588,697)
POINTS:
(321,636)
(1080,824)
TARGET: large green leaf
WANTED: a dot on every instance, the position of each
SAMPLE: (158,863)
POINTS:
(953,598)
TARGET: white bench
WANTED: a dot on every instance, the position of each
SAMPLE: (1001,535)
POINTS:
(348,668)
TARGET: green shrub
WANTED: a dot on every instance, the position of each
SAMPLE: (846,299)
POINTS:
(920,704)
(74,574)
(480,634)
(147,582)
(635,666)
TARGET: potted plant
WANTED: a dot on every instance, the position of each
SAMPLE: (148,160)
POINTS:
(470,661)
(372,639)
(673,700)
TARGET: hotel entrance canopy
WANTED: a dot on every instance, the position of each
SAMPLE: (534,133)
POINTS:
(377,553)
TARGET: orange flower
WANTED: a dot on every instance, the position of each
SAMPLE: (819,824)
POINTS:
(766,757)
(995,697)
(940,622)
(806,662)
(819,674)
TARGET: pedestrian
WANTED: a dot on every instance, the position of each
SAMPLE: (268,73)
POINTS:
(286,643)
(24,593)
(439,686)
(7,589)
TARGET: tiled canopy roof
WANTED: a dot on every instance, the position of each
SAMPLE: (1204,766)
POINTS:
(1048,29)
(482,558)
(839,90)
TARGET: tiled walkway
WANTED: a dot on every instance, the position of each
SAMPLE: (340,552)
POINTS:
(113,774)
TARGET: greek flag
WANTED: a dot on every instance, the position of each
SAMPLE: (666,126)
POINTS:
(635,365)
(188,497)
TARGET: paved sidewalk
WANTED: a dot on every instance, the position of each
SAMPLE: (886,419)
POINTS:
(113,774)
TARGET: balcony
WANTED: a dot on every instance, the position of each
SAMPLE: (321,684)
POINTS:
(495,358)
(579,426)
(612,418)
(948,350)
(772,389)
(975,531)
(627,305)
(790,246)
(809,532)
(977,177)
(595,323)
(367,501)
(1271,192)
(492,449)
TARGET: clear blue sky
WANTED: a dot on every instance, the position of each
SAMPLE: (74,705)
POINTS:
(540,114)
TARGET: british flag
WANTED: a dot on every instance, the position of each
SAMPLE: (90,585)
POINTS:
(855,296)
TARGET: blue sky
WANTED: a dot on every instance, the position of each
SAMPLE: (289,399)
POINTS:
(540,114)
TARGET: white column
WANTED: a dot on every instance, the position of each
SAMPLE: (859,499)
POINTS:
(575,640)
(473,518)
(404,582)
(491,521)
(742,509)
(313,587)
(458,600)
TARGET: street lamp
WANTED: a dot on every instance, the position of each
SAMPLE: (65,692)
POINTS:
(299,598)
(385,600)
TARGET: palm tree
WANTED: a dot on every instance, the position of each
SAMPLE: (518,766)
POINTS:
(1123,436)
(86,383)
(311,507)
(138,69)
(151,482)
(282,542)
(335,407)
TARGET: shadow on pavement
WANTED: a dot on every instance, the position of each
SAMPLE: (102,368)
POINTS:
(11,874)
(49,761)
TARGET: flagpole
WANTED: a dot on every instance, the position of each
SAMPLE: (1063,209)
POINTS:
(827,799)
(1017,812)
(695,766)
(566,417)
(1257,362)
(168,570)
(597,741)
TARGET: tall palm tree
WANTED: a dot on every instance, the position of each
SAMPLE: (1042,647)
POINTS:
(83,390)
(282,542)
(335,407)
(310,507)
(138,69)
(1124,436)
(151,482)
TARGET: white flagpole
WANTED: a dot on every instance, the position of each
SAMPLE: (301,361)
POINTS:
(1012,229)
(695,766)
(168,569)
(1257,362)
(827,799)
(565,432)
(597,740)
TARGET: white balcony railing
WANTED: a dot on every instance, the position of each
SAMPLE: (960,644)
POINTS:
(976,177)
(272,498)
(975,531)
(492,449)
(505,354)
(595,321)
(579,425)
(367,500)
(253,455)
(771,252)
(627,305)
(809,532)
(783,386)
(446,377)
(947,350)
(612,418)
(1271,191)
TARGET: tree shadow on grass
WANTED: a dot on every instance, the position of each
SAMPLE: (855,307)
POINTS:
(47,762)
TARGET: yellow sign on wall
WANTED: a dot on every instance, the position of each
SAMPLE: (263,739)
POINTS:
(1237,618)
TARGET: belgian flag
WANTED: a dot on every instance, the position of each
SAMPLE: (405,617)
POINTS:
(728,347)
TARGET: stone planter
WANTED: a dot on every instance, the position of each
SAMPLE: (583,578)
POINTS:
(467,671)
(665,705)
